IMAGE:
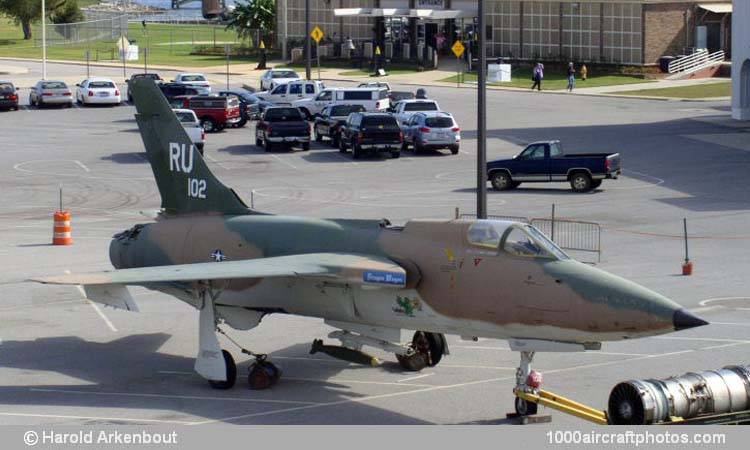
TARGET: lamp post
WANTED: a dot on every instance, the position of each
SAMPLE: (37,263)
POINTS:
(308,56)
(44,41)
(481,118)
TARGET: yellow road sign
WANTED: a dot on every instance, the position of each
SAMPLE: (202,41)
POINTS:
(458,49)
(262,45)
(317,34)
(377,50)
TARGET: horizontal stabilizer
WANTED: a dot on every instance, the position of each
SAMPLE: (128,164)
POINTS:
(365,270)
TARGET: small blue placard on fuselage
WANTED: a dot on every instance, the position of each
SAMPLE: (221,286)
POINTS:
(394,278)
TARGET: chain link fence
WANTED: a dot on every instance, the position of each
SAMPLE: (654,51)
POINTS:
(98,26)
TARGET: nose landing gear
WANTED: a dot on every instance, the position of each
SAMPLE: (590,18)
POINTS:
(527,380)
(262,373)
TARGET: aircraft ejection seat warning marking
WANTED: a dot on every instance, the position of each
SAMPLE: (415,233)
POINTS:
(373,276)
(317,34)
(458,49)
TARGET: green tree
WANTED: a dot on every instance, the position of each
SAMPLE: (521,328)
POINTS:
(69,12)
(24,12)
(251,16)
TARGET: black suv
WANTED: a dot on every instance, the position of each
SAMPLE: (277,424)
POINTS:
(172,90)
(373,132)
(330,120)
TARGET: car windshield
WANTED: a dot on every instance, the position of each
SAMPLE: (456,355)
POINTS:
(193,78)
(439,122)
(421,106)
(401,95)
(54,85)
(380,122)
(151,76)
(101,84)
(283,115)
(345,110)
(184,116)
(284,74)
(6,87)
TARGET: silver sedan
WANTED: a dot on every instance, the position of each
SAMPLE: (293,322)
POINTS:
(432,130)
(51,93)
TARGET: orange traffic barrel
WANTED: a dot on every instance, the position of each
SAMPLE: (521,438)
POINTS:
(62,233)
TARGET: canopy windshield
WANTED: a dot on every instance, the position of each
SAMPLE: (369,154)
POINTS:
(513,238)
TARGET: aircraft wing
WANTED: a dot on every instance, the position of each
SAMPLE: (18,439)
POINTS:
(366,270)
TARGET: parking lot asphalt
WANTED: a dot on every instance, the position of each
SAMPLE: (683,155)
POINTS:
(65,361)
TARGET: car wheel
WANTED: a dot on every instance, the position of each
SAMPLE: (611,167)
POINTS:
(356,151)
(580,182)
(318,137)
(418,147)
(305,146)
(596,183)
(342,146)
(454,149)
(404,146)
(258,142)
(395,154)
(334,139)
(209,126)
(501,181)
(241,123)
(268,145)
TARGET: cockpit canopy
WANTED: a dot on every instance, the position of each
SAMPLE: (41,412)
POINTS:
(513,238)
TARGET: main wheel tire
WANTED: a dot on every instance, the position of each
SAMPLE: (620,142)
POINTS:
(305,146)
(501,181)
(525,408)
(231,373)
(454,149)
(262,375)
(356,151)
(208,124)
(268,145)
(580,182)
(428,351)
(595,184)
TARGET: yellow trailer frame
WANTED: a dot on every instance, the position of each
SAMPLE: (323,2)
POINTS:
(565,405)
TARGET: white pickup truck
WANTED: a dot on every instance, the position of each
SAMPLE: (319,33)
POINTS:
(285,94)
(192,126)
(404,109)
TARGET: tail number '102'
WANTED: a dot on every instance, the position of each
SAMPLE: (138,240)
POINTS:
(196,188)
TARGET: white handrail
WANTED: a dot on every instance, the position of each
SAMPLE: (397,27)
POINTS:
(696,61)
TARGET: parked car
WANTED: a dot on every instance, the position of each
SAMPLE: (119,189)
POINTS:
(275,77)
(250,104)
(286,94)
(328,122)
(97,90)
(546,162)
(432,130)
(404,109)
(371,132)
(175,90)
(194,80)
(397,96)
(50,93)
(152,76)
(192,126)
(215,113)
(372,98)
(282,125)
(8,95)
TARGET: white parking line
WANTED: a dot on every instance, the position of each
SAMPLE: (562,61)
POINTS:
(285,162)
(416,377)
(179,397)
(96,308)
(111,419)
(341,380)
(82,166)
(208,157)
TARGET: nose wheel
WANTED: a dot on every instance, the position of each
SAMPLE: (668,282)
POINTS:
(527,380)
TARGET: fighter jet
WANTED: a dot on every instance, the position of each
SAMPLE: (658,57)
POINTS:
(396,288)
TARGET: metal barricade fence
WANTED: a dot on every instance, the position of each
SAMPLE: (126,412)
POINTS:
(572,234)
(491,217)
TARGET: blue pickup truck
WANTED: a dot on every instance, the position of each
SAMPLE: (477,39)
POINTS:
(546,162)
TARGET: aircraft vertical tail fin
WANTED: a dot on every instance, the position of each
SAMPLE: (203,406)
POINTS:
(184,180)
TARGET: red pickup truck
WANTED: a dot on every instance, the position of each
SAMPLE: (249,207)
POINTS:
(214,113)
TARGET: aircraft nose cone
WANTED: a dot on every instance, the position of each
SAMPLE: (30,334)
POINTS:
(682,320)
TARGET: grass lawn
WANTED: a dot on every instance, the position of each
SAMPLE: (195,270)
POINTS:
(521,78)
(365,73)
(351,65)
(167,44)
(709,90)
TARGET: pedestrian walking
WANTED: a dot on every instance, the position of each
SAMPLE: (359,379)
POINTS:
(537,75)
(571,77)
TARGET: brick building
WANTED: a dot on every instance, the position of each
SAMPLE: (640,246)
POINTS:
(632,32)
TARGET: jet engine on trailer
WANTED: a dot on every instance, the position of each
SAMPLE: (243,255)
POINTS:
(645,402)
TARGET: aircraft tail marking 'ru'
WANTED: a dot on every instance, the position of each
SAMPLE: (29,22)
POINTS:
(185,182)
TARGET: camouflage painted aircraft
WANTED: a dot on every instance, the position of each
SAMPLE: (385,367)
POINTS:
(370,280)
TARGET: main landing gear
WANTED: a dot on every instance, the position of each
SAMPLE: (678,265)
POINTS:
(426,349)
(527,380)
(216,364)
